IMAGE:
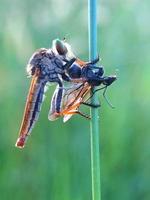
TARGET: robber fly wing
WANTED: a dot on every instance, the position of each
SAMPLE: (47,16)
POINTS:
(32,108)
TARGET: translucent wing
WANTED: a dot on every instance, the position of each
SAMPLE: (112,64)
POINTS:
(32,108)
(72,98)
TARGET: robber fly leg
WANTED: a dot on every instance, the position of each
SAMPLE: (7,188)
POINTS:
(55,105)
(104,95)
(65,77)
(58,97)
(69,63)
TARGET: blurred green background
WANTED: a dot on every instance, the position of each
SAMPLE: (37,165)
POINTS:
(56,161)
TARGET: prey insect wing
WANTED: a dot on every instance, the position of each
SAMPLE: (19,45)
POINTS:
(32,108)
(71,101)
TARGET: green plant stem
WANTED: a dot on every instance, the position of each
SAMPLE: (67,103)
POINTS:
(95,154)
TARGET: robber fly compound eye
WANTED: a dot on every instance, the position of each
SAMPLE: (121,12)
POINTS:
(60,47)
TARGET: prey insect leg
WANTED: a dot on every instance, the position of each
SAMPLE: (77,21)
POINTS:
(80,113)
(91,105)
(83,115)
(104,95)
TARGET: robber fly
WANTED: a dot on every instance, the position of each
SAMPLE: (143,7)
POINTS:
(88,76)
(57,65)
(45,66)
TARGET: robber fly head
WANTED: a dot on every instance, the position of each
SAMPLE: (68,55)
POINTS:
(59,47)
(62,48)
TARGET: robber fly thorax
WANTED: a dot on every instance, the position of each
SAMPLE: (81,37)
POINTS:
(50,62)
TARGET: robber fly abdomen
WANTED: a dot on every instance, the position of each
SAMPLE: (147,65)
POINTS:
(32,108)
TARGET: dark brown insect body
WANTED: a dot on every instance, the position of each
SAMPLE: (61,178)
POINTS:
(88,76)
